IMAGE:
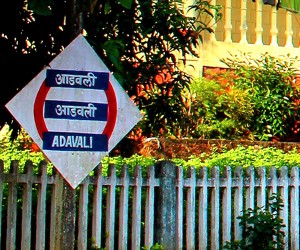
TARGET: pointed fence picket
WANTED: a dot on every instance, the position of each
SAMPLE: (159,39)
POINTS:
(188,209)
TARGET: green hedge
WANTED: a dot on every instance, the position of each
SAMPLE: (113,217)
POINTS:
(241,156)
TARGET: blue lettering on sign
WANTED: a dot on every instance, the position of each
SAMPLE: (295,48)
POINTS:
(75,110)
(77,79)
(64,141)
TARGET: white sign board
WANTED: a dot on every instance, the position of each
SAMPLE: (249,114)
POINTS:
(75,111)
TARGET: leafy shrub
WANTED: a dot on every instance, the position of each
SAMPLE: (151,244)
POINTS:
(254,156)
(255,98)
(163,114)
(217,110)
(274,96)
(261,227)
(243,157)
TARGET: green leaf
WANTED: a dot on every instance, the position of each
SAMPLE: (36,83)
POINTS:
(106,8)
(126,3)
(114,50)
(40,7)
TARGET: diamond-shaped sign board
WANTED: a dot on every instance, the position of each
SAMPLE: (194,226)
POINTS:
(75,110)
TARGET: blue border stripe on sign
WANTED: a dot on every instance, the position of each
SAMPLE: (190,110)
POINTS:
(64,141)
(75,110)
(77,79)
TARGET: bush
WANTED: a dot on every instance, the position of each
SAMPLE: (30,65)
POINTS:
(217,110)
(241,156)
(261,227)
(274,96)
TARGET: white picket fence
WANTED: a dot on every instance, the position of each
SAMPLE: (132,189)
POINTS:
(193,209)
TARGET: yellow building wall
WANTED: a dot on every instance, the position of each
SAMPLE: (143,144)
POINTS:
(251,23)
(211,51)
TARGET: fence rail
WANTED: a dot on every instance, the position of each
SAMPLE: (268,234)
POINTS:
(180,209)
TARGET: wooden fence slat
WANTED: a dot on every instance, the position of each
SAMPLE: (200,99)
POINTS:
(26,208)
(203,206)
(12,207)
(41,207)
(97,208)
(215,208)
(190,208)
(238,203)
(110,209)
(226,207)
(273,181)
(55,211)
(149,207)
(284,194)
(262,187)
(136,209)
(294,229)
(83,214)
(179,207)
(123,209)
(250,191)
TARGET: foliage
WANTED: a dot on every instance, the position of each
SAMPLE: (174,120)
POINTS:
(217,109)
(131,163)
(20,149)
(164,33)
(155,247)
(23,149)
(164,115)
(269,82)
(254,99)
(261,227)
(254,156)
(238,157)
(28,42)
(132,37)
